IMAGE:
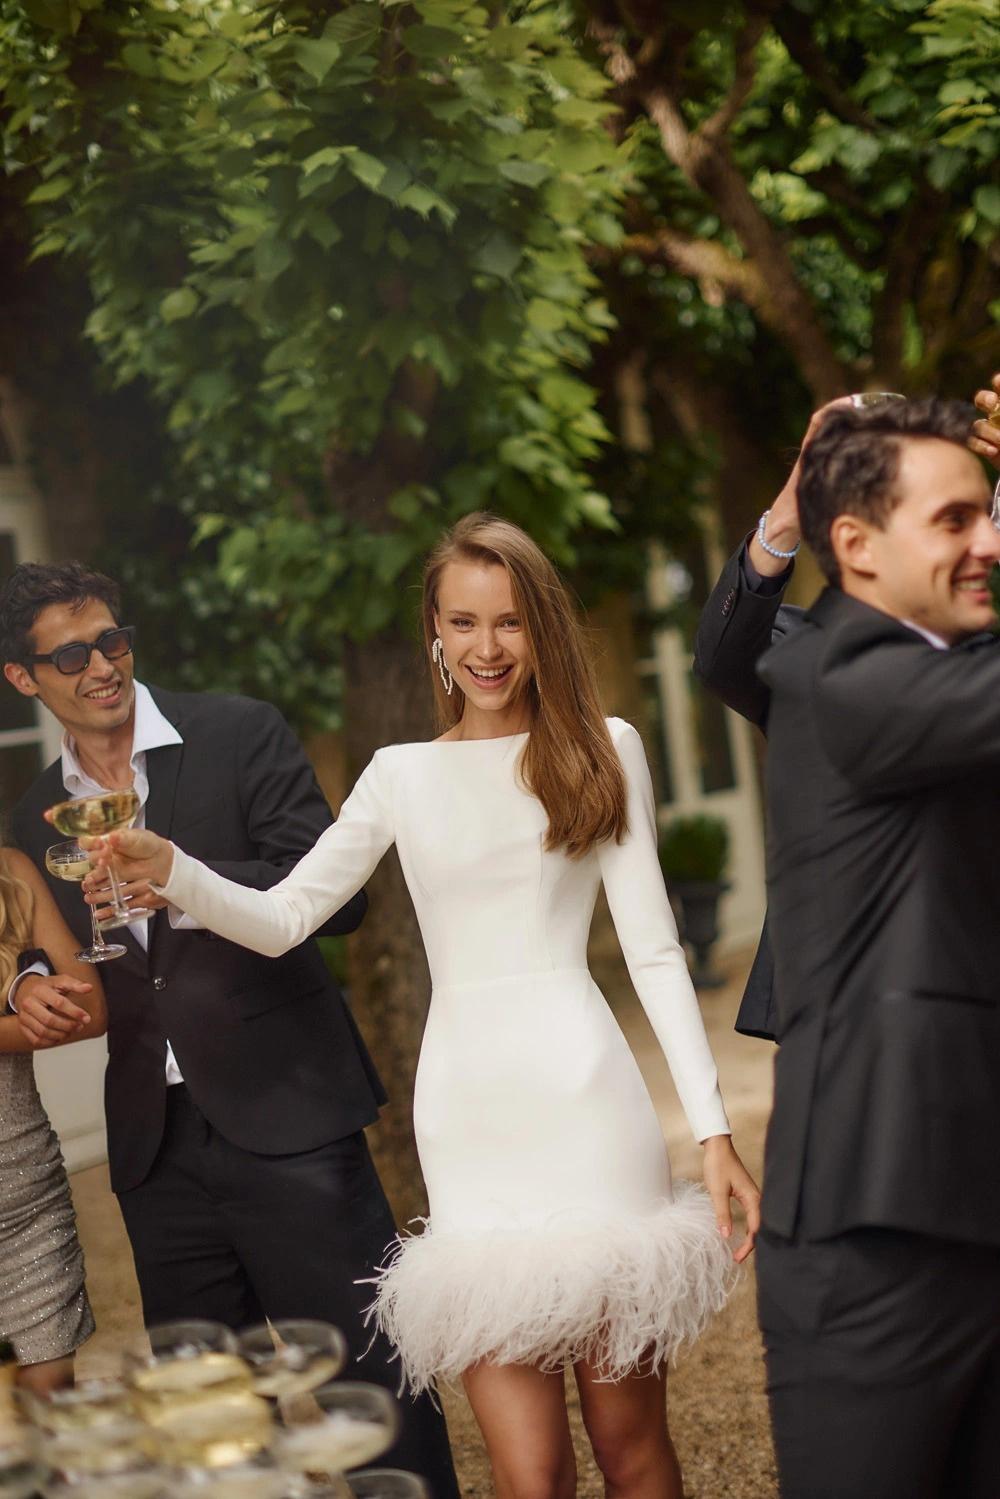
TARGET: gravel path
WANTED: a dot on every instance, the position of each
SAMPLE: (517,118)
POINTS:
(718,1412)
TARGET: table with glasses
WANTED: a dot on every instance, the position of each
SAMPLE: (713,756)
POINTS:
(199,1412)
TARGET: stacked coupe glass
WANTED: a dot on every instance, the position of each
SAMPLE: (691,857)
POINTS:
(199,1412)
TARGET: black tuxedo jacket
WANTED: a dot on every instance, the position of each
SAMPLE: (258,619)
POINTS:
(736,627)
(267,1046)
(884,887)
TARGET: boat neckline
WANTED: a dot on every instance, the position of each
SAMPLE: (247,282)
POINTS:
(486,739)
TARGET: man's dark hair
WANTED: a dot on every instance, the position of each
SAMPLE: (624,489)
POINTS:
(852,464)
(33,586)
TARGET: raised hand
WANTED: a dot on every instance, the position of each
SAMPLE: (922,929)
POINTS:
(782,528)
(985,439)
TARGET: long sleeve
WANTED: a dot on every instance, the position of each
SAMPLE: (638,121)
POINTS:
(284,810)
(275,920)
(648,936)
(737,625)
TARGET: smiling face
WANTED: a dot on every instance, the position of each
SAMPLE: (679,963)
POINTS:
(485,647)
(930,563)
(95,700)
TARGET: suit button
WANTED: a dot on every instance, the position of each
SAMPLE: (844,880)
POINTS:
(159,983)
(729,601)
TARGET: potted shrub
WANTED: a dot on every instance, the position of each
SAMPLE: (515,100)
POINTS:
(694,852)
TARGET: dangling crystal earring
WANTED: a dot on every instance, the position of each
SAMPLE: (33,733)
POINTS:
(437,651)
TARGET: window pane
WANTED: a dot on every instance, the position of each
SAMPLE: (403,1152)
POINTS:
(655,737)
(16,712)
(20,764)
(715,761)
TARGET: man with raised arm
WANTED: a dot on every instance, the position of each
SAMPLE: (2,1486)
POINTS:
(746,612)
(879,1259)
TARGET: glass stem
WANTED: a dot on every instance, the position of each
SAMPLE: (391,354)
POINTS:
(120,908)
(99,941)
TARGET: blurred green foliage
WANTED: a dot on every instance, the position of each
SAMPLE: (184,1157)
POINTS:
(356,268)
(344,255)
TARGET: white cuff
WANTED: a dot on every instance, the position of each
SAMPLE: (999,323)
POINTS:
(41,968)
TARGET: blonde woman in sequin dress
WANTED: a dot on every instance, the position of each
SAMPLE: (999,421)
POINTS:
(44,1310)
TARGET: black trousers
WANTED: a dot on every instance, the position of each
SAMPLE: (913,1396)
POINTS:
(883,1365)
(223,1233)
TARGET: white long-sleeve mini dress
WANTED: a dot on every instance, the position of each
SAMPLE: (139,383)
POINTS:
(555,1232)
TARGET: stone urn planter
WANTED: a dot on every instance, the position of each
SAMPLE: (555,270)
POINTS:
(693,855)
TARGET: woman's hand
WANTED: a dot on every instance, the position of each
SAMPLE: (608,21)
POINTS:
(139,856)
(727,1177)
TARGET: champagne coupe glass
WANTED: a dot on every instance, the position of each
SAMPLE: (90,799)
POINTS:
(93,816)
(865,398)
(292,1356)
(243,1481)
(147,1483)
(68,861)
(387,1483)
(195,1393)
(88,1431)
(996,505)
(348,1425)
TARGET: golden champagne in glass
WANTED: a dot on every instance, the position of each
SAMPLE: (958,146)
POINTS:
(93,817)
(68,861)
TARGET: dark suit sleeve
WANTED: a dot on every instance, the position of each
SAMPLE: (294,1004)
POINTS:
(895,714)
(284,811)
(736,627)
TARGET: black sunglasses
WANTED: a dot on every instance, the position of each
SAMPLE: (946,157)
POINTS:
(75,657)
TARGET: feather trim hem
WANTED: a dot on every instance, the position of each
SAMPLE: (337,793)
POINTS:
(621,1292)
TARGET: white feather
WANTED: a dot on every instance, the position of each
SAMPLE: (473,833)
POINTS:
(620,1292)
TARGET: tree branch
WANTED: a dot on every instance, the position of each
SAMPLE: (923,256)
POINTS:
(704,260)
(744,74)
(796,33)
(708,166)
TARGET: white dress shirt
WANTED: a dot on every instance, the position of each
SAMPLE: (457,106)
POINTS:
(151,731)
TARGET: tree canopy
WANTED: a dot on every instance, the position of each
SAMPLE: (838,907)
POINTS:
(345,254)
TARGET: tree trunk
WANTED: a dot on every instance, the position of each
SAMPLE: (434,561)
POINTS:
(387,701)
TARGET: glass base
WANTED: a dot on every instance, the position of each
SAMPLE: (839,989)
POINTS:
(101,954)
(134,913)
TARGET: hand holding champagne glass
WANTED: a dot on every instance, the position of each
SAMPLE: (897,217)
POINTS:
(68,861)
(88,817)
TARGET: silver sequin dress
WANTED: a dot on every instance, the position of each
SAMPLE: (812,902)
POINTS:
(44,1309)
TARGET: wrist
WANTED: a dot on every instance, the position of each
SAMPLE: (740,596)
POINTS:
(717,1144)
(782,527)
(774,545)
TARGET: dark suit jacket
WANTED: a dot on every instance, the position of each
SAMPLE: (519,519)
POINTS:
(267,1047)
(736,627)
(884,885)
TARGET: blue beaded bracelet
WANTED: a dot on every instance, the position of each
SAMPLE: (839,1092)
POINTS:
(773,551)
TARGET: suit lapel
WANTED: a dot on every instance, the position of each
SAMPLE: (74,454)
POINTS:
(163,767)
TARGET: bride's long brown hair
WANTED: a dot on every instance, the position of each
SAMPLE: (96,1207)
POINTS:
(15,914)
(569,761)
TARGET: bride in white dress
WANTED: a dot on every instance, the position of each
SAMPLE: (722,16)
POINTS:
(556,1235)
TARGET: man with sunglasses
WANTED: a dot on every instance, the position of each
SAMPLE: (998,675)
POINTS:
(238,1087)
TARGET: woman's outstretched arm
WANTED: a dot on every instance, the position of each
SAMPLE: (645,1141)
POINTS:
(267,921)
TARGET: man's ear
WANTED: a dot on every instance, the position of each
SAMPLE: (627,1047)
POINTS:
(20,677)
(850,538)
